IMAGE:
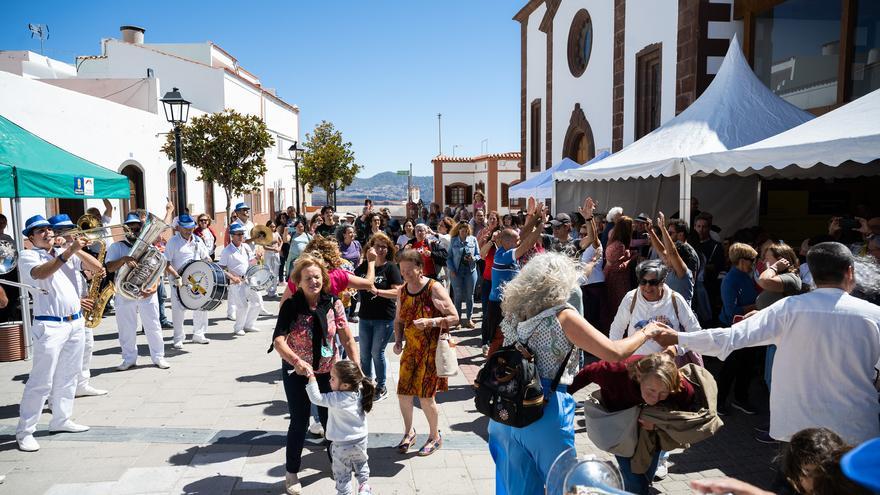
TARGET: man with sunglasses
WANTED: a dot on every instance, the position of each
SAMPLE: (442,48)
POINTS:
(235,260)
(57,333)
(73,269)
(127,310)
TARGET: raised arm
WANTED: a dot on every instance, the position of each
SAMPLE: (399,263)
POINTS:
(530,233)
(770,279)
(673,259)
(108,208)
(585,336)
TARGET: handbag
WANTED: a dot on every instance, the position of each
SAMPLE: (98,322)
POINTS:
(446,360)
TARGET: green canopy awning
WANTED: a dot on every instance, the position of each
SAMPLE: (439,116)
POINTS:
(31,167)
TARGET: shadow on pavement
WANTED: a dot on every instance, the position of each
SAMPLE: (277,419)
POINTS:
(479,426)
(271,377)
(273,407)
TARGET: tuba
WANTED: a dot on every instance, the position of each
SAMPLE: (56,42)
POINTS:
(131,282)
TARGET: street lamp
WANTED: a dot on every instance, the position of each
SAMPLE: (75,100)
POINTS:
(296,154)
(336,185)
(177,112)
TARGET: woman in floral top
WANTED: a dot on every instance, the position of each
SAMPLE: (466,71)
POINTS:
(305,338)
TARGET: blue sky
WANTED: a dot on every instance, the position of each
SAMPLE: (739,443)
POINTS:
(379,70)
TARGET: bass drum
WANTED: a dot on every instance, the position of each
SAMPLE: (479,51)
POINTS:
(203,285)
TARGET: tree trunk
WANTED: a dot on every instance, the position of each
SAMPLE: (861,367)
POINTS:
(228,205)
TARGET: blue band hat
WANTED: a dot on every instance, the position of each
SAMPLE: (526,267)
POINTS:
(242,206)
(33,223)
(133,218)
(862,465)
(186,221)
(236,228)
(61,222)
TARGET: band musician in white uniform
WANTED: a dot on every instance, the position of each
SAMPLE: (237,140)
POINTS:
(127,310)
(180,249)
(242,216)
(61,226)
(235,259)
(57,334)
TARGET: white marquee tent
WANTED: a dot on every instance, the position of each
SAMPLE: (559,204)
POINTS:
(540,186)
(736,109)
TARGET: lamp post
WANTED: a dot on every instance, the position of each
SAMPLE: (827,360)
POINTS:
(177,112)
(296,154)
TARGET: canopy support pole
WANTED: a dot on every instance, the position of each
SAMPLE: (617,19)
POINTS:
(684,194)
(24,295)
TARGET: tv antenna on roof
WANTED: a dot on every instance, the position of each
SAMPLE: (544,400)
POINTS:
(40,31)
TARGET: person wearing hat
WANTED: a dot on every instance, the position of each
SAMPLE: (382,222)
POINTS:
(561,240)
(235,259)
(57,333)
(73,269)
(127,310)
(180,249)
(241,215)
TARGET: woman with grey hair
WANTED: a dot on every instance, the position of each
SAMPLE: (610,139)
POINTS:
(537,314)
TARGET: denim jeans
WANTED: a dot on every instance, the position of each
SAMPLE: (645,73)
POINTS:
(162,318)
(463,286)
(485,331)
(373,336)
(637,483)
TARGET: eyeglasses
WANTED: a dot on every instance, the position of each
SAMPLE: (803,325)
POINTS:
(238,233)
(654,282)
(203,220)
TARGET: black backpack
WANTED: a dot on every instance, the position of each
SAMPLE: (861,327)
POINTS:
(508,388)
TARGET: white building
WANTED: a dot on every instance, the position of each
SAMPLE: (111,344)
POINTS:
(456,179)
(106,109)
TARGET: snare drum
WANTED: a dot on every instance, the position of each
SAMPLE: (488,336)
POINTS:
(203,285)
(260,278)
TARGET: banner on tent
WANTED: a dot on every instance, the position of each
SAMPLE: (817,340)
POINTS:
(84,186)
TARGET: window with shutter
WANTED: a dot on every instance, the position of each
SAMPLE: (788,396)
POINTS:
(504,192)
(447,195)
(468,195)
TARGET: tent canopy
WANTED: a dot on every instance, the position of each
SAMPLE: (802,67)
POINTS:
(31,167)
(850,133)
(735,110)
(540,186)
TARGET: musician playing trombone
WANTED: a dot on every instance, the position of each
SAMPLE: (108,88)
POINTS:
(57,332)
(127,310)
(180,249)
(235,259)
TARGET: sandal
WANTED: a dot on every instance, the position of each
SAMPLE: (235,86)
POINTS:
(431,446)
(407,442)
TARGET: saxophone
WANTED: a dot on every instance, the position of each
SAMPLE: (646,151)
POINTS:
(99,297)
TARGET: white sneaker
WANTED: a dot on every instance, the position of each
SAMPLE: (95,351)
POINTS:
(70,427)
(200,339)
(316,429)
(89,391)
(662,469)
(291,484)
(125,365)
(251,330)
(177,345)
(162,364)
(238,332)
(27,443)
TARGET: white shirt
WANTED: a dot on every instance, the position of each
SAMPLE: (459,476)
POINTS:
(827,345)
(645,312)
(346,420)
(179,251)
(247,228)
(62,299)
(237,259)
(597,275)
(73,270)
(116,251)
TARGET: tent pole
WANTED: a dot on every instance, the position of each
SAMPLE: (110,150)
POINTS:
(684,186)
(23,294)
(553,198)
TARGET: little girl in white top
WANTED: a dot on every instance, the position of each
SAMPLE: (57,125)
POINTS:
(347,405)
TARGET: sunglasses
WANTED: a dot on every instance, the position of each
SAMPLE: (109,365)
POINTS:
(652,282)
(203,220)
(238,233)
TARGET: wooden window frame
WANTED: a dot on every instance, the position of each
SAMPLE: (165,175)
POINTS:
(535,136)
(646,59)
(576,66)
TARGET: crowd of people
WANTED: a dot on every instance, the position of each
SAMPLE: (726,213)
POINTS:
(637,304)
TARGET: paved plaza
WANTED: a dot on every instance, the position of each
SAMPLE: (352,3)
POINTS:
(215,423)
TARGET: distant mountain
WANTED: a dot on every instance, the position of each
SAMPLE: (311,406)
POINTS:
(382,187)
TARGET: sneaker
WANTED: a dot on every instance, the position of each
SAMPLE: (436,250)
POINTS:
(745,407)
(230,317)
(364,489)
(239,332)
(353,319)
(166,325)
(292,485)
(763,428)
(125,365)
(89,391)
(162,364)
(251,330)
(316,429)
(200,339)
(662,469)
(177,345)
(69,427)
(27,443)
(381,394)
(765,437)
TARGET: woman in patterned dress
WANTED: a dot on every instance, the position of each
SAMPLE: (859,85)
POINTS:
(424,311)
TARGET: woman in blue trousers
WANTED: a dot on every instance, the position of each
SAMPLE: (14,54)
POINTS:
(461,264)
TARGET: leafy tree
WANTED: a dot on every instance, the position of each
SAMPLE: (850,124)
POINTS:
(227,148)
(327,159)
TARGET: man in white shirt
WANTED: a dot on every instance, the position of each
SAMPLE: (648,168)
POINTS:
(827,347)
(127,310)
(61,224)
(179,250)
(242,216)
(235,259)
(57,334)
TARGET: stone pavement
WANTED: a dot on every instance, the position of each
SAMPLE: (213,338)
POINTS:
(215,423)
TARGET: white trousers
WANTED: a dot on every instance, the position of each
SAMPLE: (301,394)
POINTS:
(127,311)
(58,358)
(247,302)
(200,319)
(88,345)
(273,263)
(230,304)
